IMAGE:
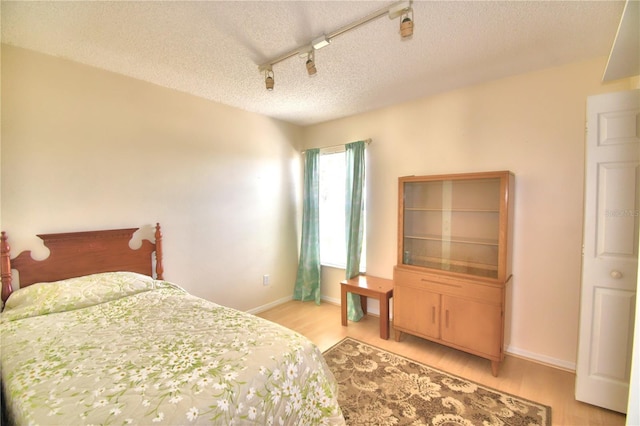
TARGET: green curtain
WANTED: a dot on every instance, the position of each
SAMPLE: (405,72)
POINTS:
(308,278)
(354,225)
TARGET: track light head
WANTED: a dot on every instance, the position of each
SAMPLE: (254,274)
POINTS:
(268,79)
(311,64)
(311,68)
(406,24)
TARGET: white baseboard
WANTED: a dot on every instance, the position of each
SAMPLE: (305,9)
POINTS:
(331,300)
(543,359)
(270,305)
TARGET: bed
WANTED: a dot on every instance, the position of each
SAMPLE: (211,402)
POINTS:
(91,337)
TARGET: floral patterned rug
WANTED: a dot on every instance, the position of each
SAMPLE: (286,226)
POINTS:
(381,388)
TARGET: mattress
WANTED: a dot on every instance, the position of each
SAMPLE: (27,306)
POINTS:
(122,348)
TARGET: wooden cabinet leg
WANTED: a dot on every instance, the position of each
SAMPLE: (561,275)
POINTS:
(397,335)
(495,367)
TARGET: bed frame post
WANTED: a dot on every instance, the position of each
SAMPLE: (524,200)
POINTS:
(159,266)
(5,267)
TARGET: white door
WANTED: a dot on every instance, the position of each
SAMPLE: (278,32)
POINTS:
(610,252)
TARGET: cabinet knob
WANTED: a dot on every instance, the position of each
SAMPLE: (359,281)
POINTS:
(616,274)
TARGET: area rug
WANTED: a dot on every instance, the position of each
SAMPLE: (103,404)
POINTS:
(377,387)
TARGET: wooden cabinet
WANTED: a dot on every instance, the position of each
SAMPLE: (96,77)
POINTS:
(454,260)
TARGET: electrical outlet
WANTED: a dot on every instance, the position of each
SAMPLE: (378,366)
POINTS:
(265,280)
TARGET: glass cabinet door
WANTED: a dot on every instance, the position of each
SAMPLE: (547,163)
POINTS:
(452,225)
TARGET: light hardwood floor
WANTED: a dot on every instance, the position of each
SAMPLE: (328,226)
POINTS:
(523,378)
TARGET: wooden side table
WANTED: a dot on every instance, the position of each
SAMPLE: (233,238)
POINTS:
(368,286)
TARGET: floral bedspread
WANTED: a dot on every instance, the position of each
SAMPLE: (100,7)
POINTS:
(122,348)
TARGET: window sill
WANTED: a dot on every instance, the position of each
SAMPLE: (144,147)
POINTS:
(334,266)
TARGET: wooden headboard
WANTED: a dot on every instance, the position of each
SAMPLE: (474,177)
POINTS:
(74,254)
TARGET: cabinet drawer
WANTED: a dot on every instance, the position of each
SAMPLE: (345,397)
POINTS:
(447,285)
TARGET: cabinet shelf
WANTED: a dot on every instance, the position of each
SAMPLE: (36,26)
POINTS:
(462,240)
(453,210)
(462,267)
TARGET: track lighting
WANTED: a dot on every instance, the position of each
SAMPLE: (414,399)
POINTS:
(401,9)
(311,63)
(268,79)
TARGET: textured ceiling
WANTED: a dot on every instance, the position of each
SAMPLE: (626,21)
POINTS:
(212,49)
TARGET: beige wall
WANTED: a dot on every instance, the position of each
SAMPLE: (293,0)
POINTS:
(87,149)
(531,124)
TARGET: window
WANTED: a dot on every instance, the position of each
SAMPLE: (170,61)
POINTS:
(333,250)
